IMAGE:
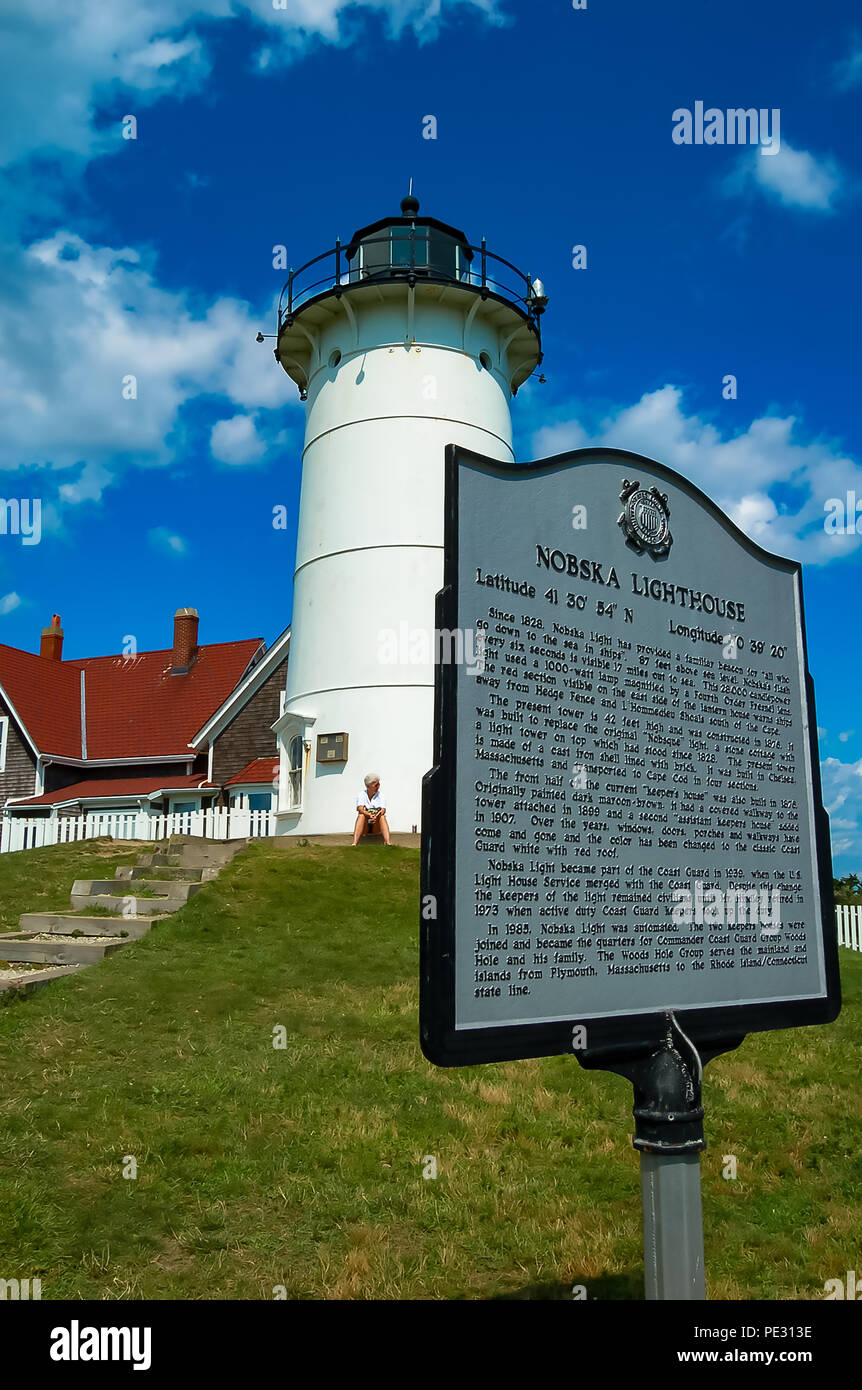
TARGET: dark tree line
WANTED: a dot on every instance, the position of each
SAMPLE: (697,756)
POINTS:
(848,891)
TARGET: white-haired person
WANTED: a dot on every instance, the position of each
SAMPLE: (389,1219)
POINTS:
(371,810)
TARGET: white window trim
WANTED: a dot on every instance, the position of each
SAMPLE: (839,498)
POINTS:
(4,740)
(296,726)
(291,773)
(239,798)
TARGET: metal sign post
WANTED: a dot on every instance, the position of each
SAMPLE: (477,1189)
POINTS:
(669,1135)
(673,1226)
(624,847)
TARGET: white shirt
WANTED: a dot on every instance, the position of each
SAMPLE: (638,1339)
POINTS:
(375,803)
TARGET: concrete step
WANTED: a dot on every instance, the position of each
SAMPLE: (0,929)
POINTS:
(195,853)
(170,896)
(128,872)
(130,907)
(67,923)
(28,981)
(163,887)
(58,950)
(177,890)
(158,859)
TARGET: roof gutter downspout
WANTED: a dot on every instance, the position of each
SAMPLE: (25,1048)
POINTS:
(43,762)
(83,716)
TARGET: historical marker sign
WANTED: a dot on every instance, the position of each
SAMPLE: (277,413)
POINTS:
(624,819)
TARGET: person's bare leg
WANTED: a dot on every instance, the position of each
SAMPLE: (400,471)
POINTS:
(384,828)
(359,828)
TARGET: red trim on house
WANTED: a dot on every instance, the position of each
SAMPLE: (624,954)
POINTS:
(259,770)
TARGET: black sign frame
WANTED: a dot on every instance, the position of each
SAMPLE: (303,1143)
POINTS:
(711,1030)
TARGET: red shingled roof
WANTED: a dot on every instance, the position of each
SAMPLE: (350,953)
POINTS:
(135,708)
(259,770)
(132,786)
(47,698)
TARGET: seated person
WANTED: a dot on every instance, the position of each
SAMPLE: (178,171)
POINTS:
(371,810)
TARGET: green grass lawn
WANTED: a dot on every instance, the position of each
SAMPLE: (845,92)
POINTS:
(303,1167)
(40,880)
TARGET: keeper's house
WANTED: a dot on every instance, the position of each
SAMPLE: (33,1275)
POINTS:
(178,730)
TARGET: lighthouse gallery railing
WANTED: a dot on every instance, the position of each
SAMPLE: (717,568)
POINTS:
(342,273)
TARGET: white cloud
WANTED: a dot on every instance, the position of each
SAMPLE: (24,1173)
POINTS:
(236,440)
(166,541)
(738,472)
(794,177)
(559,439)
(754,514)
(152,64)
(846,736)
(89,485)
(67,397)
(63,61)
(9,602)
(61,389)
(842,793)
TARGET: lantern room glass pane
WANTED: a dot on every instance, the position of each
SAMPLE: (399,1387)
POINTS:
(442,254)
(375,254)
(427,250)
(402,237)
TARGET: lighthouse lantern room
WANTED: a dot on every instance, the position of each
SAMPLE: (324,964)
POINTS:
(402,342)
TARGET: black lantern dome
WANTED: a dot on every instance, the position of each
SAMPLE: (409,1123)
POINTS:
(409,245)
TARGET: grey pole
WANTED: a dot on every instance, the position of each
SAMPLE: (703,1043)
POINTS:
(668,1113)
(673,1226)
(667,1076)
(666,1071)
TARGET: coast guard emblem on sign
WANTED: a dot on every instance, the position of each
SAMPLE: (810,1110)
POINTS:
(645,519)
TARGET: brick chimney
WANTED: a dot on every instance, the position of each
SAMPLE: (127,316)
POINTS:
(52,640)
(185,640)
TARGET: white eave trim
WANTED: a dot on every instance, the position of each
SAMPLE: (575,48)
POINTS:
(117,762)
(248,686)
(292,716)
(83,711)
(201,790)
(18,720)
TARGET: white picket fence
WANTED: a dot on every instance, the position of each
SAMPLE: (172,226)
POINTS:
(223,823)
(849,921)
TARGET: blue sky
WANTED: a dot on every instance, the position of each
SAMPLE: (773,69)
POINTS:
(259,126)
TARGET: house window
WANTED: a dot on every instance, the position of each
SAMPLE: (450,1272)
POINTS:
(251,801)
(182,807)
(4,739)
(294,777)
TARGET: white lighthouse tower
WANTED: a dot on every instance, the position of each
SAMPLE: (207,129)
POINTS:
(404,341)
